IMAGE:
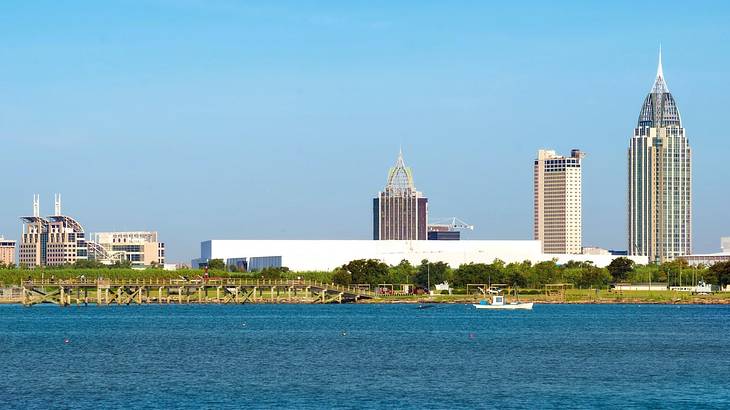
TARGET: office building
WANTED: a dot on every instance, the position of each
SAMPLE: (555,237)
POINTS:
(400,212)
(660,178)
(54,241)
(140,248)
(557,202)
(7,251)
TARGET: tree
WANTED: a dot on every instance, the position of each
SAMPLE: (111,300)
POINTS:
(341,277)
(273,272)
(644,274)
(544,272)
(470,273)
(88,264)
(720,273)
(216,264)
(431,272)
(403,272)
(620,268)
(594,277)
(370,271)
(672,272)
(516,274)
(577,264)
(125,264)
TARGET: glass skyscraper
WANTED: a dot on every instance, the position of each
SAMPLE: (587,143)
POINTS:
(660,179)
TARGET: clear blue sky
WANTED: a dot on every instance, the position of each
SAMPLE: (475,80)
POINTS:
(219,119)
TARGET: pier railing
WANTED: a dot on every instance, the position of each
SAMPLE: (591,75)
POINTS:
(135,282)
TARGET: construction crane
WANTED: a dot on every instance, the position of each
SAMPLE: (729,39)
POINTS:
(448,225)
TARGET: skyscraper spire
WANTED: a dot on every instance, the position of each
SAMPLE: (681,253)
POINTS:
(660,85)
(400,176)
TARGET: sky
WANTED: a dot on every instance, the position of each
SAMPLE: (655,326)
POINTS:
(279,120)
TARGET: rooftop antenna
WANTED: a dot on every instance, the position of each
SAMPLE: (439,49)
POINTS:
(57,198)
(36,205)
(659,70)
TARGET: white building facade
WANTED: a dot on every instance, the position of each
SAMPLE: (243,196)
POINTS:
(325,255)
(558,202)
(140,248)
(709,259)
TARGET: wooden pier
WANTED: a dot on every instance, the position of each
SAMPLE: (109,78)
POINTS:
(180,291)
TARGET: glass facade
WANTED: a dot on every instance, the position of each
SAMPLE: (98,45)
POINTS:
(660,180)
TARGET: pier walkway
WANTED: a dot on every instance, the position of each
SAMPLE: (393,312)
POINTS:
(181,291)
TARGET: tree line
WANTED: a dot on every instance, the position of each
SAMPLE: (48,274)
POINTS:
(528,275)
(522,274)
(426,274)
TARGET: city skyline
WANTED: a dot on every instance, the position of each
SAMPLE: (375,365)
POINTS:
(210,134)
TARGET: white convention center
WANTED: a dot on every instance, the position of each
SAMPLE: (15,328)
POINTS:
(325,255)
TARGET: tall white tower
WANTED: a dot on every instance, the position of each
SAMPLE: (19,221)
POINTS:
(660,179)
(558,202)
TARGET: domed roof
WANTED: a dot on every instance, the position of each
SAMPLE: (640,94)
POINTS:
(659,109)
(400,177)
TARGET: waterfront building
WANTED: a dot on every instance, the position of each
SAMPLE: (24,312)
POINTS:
(326,255)
(140,248)
(709,259)
(660,177)
(400,212)
(7,251)
(54,241)
(557,201)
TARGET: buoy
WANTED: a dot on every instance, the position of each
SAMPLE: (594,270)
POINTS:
(66,341)
(344,333)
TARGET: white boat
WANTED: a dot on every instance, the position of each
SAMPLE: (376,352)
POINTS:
(498,303)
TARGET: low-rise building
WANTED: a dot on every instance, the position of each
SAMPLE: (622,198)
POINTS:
(641,286)
(709,259)
(141,248)
(7,251)
(325,255)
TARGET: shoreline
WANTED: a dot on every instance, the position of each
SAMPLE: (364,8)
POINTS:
(394,301)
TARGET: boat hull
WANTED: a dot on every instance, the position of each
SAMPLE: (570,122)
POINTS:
(517,306)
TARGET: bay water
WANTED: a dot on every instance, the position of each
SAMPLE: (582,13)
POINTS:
(364,356)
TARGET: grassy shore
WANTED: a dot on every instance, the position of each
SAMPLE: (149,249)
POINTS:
(574,296)
(593,296)
(14,277)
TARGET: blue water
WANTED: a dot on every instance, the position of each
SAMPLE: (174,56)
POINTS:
(364,356)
